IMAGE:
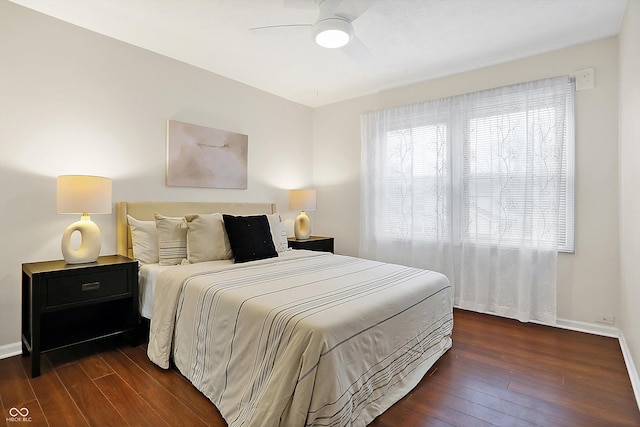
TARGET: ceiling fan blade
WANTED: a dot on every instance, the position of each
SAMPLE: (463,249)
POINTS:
(358,51)
(352,9)
(327,8)
(273,29)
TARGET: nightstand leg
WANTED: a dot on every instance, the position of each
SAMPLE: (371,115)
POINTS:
(135,339)
(35,364)
(35,339)
(26,313)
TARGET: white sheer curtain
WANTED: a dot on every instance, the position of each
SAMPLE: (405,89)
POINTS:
(478,187)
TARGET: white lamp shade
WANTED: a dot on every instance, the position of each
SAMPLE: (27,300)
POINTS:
(83,194)
(302,200)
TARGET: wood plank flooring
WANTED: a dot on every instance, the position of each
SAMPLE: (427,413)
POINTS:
(499,372)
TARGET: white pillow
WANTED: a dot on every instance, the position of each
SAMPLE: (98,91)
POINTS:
(172,239)
(278,232)
(207,239)
(144,238)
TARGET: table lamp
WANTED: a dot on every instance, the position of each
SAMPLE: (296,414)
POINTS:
(82,194)
(302,200)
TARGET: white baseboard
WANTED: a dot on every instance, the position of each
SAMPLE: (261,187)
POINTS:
(631,368)
(10,350)
(590,328)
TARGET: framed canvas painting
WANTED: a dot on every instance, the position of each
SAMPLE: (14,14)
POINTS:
(199,156)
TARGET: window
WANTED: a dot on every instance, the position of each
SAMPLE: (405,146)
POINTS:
(415,203)
(492,167)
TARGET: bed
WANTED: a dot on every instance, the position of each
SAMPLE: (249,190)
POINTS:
(297,339)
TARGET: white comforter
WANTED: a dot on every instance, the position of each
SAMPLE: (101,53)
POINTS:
(308,338)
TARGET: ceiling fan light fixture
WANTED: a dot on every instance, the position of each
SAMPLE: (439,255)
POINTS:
(332,33)
(332,39)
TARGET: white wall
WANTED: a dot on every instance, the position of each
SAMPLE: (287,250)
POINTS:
(588,280)
(73,101)
(629,182)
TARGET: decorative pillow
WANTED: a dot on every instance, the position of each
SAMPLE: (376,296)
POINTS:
(278,232)
(172,239)
(250,237)
(206,238)
(144,238)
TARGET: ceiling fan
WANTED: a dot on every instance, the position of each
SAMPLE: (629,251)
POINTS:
(334,27)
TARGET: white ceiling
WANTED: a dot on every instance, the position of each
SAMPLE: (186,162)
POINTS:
(410,40)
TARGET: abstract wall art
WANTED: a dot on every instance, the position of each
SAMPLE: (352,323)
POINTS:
(199,156)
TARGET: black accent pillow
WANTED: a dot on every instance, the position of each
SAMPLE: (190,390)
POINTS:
(250,237)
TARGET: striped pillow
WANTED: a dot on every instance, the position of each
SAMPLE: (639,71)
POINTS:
(172,239)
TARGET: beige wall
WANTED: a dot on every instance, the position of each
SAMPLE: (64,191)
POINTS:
(630,181)
(588,280)
(73,101)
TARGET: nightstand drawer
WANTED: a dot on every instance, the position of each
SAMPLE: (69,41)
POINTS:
(84,287)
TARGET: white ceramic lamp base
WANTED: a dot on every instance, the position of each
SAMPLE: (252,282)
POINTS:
(90,245)
(302,226)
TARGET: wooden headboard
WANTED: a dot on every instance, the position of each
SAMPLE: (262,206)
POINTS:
(145,211)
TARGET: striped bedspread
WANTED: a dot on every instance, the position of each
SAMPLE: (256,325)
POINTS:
(305,339)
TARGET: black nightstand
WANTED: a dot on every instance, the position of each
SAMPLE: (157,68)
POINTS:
(66,304)
(313,243)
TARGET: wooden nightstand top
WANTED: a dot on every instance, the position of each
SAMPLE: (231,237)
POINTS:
(310,239)
(58,265)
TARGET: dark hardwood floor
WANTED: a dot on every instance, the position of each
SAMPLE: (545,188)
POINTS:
(499,373)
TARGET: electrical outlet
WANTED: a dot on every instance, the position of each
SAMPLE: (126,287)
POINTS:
(609,319)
